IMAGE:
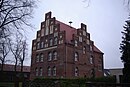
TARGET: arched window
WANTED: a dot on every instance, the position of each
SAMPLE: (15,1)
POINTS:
(51,42)
(54,71)
(42,44)
(41,57)
(37,58)
(54,55)
(91,59)
(38,45)
(55,41)
(49,56)
(76,56)
(49,71)
(36,71)
(76,71)
(41,71)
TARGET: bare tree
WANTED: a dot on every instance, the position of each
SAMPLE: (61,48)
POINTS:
(24,52)
(16,49)
(4,51)
(15,13)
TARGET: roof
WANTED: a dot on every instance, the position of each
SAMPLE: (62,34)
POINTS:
(96,49)
(10,67)
(69,30)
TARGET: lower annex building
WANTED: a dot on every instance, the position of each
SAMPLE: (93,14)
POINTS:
(62,51)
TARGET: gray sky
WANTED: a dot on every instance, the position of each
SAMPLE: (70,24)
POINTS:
(104,19)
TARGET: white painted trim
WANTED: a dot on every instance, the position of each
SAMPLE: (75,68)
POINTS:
(46,49)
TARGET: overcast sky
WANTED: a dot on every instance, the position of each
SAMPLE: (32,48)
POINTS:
(104,19)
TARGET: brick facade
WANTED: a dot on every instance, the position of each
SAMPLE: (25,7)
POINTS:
(61,51)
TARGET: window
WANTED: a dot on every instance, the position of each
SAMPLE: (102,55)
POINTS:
(42,32)
(47,30)
(46,44)
(36,70)
(87,41)
(41,57)
(54,71)
(38,45)
(49,71)
(49,56)
(40,71)
(76,71)
(51,42)
(84,50)
(55,41)
(80,38)
(60,36)
(76,43)
(47,22)
(55,34)
(84,33)
(37,58)
(42,44)
(76,56)
(60,41)
(55,55)
(91,59)
(51,29)
(91,49)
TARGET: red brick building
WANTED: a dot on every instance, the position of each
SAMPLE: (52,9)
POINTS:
(62,51)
